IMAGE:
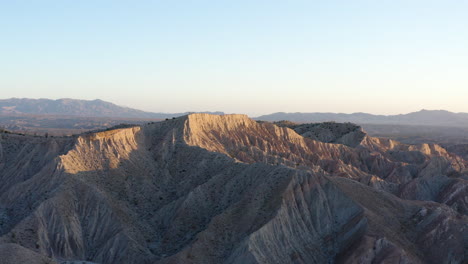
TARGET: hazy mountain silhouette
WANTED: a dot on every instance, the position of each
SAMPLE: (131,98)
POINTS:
(423,117)
(75,107)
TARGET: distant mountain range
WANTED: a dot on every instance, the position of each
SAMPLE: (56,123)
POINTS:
(102,109)
(74,107)
(423,117)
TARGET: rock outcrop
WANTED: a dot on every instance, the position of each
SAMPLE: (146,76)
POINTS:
(226,189)
(329,132)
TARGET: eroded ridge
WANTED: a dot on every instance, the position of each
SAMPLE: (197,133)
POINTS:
(226,189)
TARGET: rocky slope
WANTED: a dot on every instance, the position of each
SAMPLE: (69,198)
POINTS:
(459,149)
(226,189)
(329,132)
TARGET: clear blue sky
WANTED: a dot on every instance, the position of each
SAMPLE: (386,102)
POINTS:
(254,57)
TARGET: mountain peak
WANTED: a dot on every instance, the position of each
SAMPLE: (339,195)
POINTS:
(226,120)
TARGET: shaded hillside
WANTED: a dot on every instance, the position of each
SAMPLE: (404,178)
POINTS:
(226,189)
(460,149)
(329,132)
(423,117)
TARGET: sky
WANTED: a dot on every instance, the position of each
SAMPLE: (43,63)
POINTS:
(244,56)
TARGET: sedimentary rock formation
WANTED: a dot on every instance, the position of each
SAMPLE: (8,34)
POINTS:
(226,189)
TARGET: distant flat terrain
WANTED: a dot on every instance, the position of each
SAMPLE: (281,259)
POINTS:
(59,125)
(414,134)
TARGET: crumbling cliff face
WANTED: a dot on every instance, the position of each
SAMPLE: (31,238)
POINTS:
(226,189)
